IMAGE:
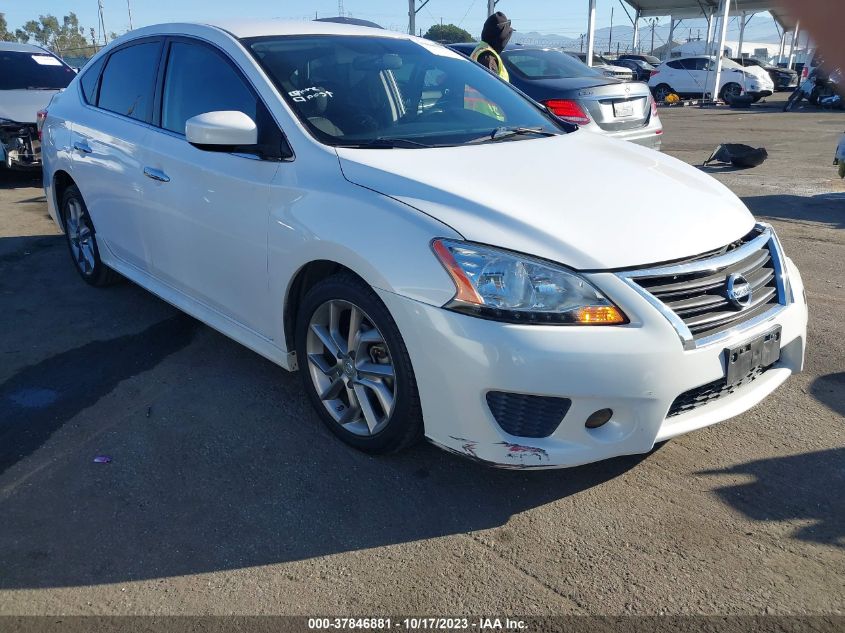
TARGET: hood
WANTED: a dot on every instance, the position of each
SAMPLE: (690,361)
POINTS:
(497,31)
(550,197)
(21,106)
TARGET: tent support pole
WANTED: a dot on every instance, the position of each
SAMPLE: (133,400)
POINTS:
(591,31)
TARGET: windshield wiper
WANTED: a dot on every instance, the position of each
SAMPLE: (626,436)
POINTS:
(508,132)
(386,142)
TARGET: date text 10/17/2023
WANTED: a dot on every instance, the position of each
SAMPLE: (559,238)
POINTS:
(418,624)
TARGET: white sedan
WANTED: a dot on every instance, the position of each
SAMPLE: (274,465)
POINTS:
(456,270)
(696,75)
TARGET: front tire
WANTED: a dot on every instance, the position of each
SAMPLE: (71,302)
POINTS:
(730,92)
(82,241)
(355,366)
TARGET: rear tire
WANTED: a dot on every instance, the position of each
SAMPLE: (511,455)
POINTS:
(661,92)
(82,241)
(355,366)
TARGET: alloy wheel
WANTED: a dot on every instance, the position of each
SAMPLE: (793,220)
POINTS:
(81,237)
(351,367)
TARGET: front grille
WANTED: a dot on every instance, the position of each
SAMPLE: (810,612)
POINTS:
(700,297)
(712,391)
(525,415)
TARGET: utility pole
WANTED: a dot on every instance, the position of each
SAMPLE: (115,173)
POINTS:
(102,21)
(610,41)
(491,7)
(340,8)
(653,23)
(582,43)
(129,10)
(412,14)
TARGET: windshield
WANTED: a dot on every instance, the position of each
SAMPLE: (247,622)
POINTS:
(354,90)
(547,64)
(33,71)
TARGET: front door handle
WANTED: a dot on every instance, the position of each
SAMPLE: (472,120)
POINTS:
(156,174)
(82,146)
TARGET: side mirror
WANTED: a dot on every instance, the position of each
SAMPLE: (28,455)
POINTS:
(221,131)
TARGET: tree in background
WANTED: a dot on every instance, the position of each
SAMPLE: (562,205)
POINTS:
(5,35)
(65,37)
(447,34)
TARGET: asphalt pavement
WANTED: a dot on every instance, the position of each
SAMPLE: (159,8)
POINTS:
(225,494)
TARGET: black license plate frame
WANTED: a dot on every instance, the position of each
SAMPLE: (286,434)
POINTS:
(759,352)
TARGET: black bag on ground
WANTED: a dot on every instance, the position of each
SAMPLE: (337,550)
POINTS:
(738,155)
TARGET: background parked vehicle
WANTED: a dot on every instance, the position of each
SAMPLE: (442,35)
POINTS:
(839,157)
(29,77)
(648,59)
(695,75)
(817,88)
(605,66)
(783,78)
(582,95)
(642,70)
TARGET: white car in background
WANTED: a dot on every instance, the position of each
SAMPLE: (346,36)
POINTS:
(696,75)
(457,269)
(29,77)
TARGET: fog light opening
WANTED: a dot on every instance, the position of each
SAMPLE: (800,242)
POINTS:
(599,418)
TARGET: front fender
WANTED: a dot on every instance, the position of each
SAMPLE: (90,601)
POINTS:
(385,242)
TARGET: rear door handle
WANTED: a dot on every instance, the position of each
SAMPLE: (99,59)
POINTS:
(156,174)
(82,146)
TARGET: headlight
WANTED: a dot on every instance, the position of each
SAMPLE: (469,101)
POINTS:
(504,286)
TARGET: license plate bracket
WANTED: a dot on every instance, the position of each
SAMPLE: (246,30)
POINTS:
(761,351)
(623,109)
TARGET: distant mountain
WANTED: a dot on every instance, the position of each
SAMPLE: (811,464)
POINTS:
(757,31)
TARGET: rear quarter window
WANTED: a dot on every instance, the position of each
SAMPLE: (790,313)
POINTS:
(89,80)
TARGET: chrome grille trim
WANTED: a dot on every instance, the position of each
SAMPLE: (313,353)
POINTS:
(767,239)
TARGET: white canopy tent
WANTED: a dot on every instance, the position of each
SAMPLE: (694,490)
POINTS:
(708,9)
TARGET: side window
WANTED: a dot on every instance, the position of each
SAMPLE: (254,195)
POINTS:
(199,80)
(90,79)
(129,81)
(675,64)
(702,64)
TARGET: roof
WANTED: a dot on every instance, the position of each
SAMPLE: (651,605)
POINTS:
(258,28)
(697,8)
(22,48)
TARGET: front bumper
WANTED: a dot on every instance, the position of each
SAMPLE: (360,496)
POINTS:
(636,370)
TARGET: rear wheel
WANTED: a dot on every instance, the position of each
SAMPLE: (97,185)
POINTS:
(730,92)
(661,92)
(355,366)
(82,240)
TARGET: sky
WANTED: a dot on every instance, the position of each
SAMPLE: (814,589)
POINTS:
(560,17)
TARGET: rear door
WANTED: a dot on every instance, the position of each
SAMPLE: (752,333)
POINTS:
(107,138)
(210,209)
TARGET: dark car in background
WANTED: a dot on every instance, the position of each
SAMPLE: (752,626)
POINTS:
(648,59)
(642,70)
(29,77)
(783,78)
(579,94)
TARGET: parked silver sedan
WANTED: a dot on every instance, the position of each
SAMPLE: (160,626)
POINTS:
(581,95)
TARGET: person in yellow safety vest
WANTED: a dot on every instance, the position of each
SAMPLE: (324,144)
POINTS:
(495,35)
